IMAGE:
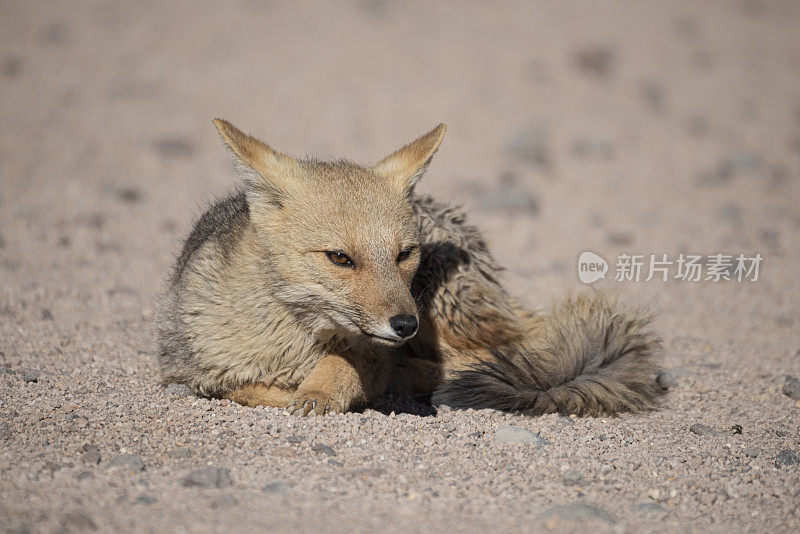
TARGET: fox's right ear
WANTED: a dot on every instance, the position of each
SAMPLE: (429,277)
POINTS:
(406,166)
(264,171)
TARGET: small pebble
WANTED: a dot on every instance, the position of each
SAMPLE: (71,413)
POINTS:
(178,390)
(180,452)
(578,512)
(91,454)
(791,387)
(278,487)
(701,430)
(144,499)
(31,376)
(750,453)
(320,447)
(211,477)
(571,477)
(516,434)
(666,380)
(786,458)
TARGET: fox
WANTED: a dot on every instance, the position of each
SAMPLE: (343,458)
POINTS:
(319,286)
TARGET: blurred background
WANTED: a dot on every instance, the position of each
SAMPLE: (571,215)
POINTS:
(619,127)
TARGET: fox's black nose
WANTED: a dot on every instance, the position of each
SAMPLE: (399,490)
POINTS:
(404,325)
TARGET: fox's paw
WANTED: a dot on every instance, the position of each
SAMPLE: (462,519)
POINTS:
(312,403)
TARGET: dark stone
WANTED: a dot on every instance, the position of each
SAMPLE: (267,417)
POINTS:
(576,512)
(31,376)
(531,146)
(590,147)
(320,447)
(91,454)
(77,521)
(654,95)
(83,475)
(132,462)
(211,477)
(786,458)
(179,390)
(11,66)
(180,452)
(55,33)
(596,61)
(572,477)
(666,380)
(791,387)
(278,487)
(515,434)
(129,195)
(368,472)
(144,499)
(170,148)
(47,315)
(702,430)
(650,509)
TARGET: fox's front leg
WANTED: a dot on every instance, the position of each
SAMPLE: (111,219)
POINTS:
(340,383)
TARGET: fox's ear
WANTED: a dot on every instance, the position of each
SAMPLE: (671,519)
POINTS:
(264,170)
(406,166)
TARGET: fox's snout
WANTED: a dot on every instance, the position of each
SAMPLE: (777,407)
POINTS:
(393,319)
(400,329)
(405,326)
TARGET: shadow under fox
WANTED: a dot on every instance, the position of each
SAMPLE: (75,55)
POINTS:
(322,285)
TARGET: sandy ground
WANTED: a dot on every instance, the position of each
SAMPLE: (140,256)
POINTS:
(635,127)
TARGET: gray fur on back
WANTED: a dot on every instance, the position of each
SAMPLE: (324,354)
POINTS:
(221,226)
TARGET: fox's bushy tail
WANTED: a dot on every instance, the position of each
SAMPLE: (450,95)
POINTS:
(586,357)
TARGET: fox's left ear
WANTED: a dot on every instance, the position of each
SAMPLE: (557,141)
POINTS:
(406,166)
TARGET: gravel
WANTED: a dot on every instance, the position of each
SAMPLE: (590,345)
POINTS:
(702,430)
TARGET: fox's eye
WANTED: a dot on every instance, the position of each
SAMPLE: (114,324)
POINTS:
(404,254)
(340,258)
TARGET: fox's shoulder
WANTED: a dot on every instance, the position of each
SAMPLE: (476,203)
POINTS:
(223,223)
(445,222)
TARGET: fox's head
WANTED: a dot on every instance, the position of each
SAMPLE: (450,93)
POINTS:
(341,238)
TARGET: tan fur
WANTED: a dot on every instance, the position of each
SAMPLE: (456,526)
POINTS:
(258,312)
(258,394)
